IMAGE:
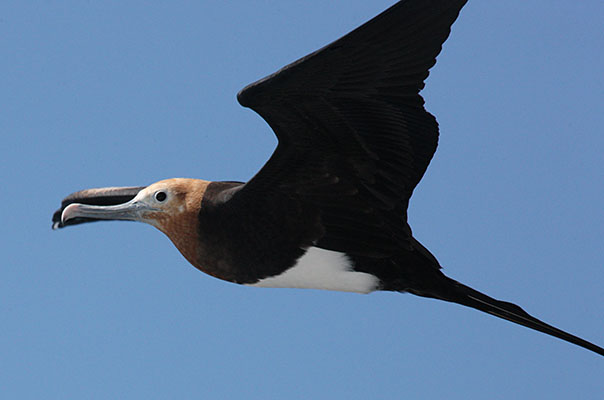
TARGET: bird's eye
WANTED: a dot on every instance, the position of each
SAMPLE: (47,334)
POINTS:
(160,196)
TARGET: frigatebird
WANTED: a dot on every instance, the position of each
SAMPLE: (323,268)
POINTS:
(329,208)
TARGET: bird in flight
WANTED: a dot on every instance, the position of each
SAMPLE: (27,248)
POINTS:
(329,208)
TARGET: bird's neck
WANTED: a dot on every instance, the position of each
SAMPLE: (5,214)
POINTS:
(183,227)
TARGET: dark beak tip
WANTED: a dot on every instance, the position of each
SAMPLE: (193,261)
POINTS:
(56,220)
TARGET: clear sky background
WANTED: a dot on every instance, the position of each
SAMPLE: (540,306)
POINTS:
(108,93)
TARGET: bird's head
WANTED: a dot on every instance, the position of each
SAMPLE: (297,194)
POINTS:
(171,205)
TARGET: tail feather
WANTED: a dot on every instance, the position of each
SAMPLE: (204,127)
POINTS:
(464,295)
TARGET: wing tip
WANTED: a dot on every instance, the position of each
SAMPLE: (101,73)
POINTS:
(242,97)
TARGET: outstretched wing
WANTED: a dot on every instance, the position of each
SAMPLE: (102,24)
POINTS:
(354,137)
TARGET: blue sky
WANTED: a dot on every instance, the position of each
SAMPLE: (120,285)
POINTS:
(127,93)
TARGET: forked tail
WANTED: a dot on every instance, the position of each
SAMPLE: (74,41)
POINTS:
(464,295)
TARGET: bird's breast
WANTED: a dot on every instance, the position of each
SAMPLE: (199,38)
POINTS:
(322,269)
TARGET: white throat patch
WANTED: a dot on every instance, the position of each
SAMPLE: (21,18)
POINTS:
(322,269)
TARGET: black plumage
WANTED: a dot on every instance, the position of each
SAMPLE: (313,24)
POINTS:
(354,141)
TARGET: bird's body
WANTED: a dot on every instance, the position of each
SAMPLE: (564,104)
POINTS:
(329,209)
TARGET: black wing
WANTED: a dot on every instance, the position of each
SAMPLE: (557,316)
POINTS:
(354,137)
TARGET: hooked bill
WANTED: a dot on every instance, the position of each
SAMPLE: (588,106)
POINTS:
(109,196)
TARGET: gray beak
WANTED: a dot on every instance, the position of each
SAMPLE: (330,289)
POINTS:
(97,204)
(130,211)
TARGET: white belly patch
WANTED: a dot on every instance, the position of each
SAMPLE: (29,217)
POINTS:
(322,269)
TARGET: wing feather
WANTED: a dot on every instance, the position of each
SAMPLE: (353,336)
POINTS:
(354,137)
